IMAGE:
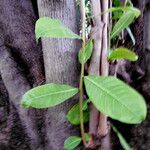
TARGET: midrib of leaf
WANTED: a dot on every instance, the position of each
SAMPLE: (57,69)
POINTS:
(54,93)
(74,142)
(122,25)
(113,96)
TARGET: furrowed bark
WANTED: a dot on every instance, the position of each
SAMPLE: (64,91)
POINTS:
(20,67)
(17,85)
(60,59)
(94,67)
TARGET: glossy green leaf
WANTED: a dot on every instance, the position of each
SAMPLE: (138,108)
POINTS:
(53,28)
(131,35)
(122,140)
(48,95)
(73,115)
(72,142)
(85,55)
(116,99)
(125,20)
(123,53)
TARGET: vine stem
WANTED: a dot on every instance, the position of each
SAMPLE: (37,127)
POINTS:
(83,22)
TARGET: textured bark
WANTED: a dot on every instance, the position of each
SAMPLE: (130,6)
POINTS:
(20,69)
(60,59)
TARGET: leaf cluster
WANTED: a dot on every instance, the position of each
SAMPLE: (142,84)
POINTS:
(110,95)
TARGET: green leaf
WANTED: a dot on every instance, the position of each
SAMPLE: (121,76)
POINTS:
(116,99)
(85,55)
(126,9)
(122,140)
(87,137)
(81,56)
(72,142)
(48,95)
(131,35)
(134,10)
(53,28)
(123,53)
(125,20)
(85,104)
(74,114)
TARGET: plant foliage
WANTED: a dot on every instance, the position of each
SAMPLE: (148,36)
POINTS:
(116,99)
(48,95)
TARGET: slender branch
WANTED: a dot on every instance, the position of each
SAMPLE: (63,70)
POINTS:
(94,66)
(83,21)
(103,127)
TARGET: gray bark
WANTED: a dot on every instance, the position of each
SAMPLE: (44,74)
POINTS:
(60,59)
(20,65)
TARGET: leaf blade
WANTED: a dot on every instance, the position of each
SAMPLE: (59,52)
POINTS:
(53,28)
(122,140)
(47,95)
(84,55)
(116,99)
(123,53)
(72,142)
(73,115)
(125,20)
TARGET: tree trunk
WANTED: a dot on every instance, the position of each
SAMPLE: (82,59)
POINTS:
(20,68)
(60,60)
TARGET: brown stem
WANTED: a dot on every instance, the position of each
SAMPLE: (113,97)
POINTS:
(102,127)
(95,61)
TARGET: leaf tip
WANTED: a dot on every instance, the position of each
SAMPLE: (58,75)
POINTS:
(136,57)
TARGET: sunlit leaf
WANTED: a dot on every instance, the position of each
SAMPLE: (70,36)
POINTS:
(48,95)
(53,28)
(116,99)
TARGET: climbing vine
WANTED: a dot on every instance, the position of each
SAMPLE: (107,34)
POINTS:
(109,95)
